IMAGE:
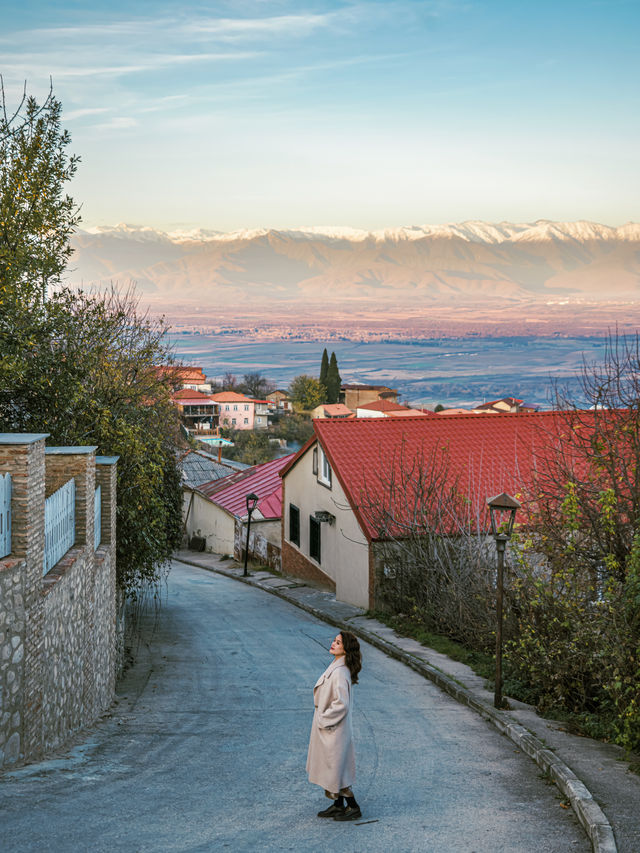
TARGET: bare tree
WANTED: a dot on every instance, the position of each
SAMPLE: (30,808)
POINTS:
(433,562)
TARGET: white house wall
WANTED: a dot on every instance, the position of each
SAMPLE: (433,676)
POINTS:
(208,520)
(344,551)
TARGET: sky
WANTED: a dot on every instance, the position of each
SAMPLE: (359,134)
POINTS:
(253,113)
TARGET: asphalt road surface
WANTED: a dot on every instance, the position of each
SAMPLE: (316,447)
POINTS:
(206,750)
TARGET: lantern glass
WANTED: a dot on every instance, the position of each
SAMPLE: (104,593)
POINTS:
(502,511)
(252,502)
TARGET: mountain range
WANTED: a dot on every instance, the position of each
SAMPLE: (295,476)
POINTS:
(466,262)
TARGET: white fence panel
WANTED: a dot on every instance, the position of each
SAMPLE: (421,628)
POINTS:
(59,524)
(5,515)
(97,518)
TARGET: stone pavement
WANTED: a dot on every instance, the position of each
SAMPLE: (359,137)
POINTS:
(594,777)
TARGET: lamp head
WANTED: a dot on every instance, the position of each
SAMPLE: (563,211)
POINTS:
(252,502)
(502,511)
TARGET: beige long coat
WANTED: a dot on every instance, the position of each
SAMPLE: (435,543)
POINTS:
(331,761)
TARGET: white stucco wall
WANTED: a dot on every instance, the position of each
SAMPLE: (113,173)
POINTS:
(344,553)
(208,520)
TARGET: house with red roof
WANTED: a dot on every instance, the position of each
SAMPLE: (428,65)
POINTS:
(359,395)
(198,411)
(505,404)
(387,409)
(331,410)
(241,412)
(217,512)
(338,484)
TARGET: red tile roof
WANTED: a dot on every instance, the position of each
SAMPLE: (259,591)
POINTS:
(231,397)
(231,492)
(336,410)
(482,456)
(185,394)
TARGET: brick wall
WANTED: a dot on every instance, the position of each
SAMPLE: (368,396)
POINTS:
(295,563)
(59,649)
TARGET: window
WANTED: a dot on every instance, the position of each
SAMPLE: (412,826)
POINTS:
(259,419)
(294,524)
(314,463)
(246,420)
(324,470)
(233,421)
(246,407)
(226,408)
(235,408)
(314,539)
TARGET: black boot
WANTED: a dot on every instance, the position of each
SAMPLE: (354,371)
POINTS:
(336,808)
(351,812)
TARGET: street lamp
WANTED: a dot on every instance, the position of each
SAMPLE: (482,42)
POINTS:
(252,502)
(502,511)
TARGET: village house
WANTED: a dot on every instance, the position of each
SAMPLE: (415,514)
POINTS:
(387,409)
(279,402)
(505,404)
(216,513)
(191,378)
(331,410)
(337,481)
(354,396)
(241,412)
(199,412)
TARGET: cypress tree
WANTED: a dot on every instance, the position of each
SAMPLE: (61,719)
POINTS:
(324,367)
(334,380)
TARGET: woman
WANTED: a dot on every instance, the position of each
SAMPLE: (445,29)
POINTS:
(331,759)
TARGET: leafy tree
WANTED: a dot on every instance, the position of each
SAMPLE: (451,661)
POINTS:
(439,408)
(324,367)
(334,380)
(36,217)
(81,367)
(306,392)
(249,446)
(256,385)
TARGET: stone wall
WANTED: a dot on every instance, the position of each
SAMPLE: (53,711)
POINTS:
(59,634)
(12,623)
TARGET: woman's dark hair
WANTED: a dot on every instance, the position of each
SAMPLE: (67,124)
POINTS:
(352,656)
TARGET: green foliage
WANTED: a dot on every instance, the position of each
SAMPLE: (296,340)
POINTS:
(76,366)
(82,369)
(333,380)
(36,217)
(249,446)
(575,649)
(294,429)
(483,664)
(306,392)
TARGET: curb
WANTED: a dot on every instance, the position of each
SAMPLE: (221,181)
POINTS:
(589,814)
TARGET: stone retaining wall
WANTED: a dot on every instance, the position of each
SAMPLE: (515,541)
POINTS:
(60,639)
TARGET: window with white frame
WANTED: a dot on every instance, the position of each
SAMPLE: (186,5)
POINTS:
(324,469)
(246,407)
(246,420)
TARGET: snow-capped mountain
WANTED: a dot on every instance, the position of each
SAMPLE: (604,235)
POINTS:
(466,261)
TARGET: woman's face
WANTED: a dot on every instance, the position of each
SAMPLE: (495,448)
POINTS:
(336,647)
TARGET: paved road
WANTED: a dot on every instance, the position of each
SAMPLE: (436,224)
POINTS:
(207,751)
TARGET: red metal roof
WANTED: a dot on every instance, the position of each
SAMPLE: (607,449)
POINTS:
(483,456)
(263,480)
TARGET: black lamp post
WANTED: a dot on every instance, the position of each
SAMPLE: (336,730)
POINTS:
(502,510)
(252,502)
